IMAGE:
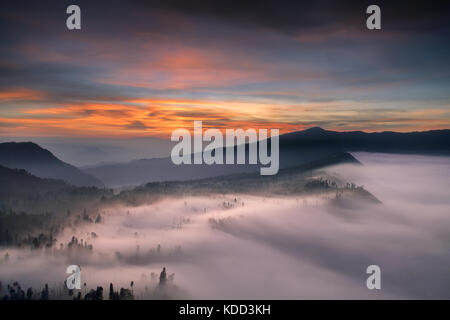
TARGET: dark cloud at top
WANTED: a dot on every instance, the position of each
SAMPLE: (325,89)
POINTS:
(294,16)
(285,16)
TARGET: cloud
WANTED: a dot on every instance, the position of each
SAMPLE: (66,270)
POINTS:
(21,94)
(293,16)
(137,125)
(243,62)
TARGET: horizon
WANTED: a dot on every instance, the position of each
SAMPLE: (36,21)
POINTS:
(125,150)
(19,139)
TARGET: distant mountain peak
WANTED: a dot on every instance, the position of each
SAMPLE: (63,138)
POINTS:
(25,151)
(315,130)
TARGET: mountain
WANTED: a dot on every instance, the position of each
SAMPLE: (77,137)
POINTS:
(42,163)
(18,182)
(296,149)
(163,169)
(427,142)
(289,181)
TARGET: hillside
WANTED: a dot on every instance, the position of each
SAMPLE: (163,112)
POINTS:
(303,179)
(18,182)
(42,163)
(296,149)
(426,142)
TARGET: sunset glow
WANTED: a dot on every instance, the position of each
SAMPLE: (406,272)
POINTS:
(158,70)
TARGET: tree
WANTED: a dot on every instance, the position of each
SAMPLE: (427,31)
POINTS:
(162,277)
(111,291)
(29,293)
(44,293)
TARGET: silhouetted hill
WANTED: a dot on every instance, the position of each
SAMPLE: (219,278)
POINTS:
(426,142)
(151,170)
(42,163)
(19,182)
(296,149)
(162,169)
(289,181)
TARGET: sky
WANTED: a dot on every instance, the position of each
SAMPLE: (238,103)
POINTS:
(145,68)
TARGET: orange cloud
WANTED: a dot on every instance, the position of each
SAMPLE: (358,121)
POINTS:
(21,94)
(160,116)
(155,117)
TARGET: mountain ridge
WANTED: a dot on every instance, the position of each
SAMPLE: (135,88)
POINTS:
(20,181)
(42,163)
(296,148)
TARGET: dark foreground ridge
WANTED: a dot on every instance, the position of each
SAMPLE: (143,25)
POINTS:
(42,163)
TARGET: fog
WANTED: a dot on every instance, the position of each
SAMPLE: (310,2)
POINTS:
(94,151)
(255,247)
